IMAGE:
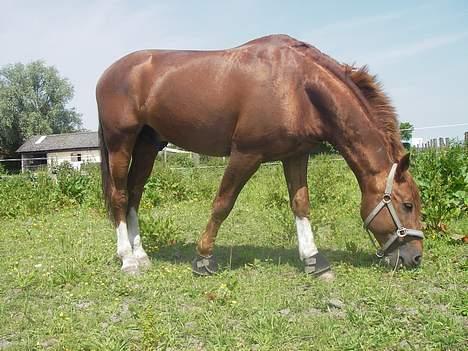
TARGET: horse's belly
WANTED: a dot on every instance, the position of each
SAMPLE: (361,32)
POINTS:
(204,134)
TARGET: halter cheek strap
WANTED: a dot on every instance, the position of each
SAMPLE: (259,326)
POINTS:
(386,201)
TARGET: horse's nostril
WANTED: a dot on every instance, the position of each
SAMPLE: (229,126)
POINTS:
(417,260)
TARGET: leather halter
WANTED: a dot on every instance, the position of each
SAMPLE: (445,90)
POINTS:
(386,201)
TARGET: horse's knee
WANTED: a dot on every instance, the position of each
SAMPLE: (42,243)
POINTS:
(119,202)
(300,203)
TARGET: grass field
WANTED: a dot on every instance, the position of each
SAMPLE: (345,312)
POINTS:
(61,287)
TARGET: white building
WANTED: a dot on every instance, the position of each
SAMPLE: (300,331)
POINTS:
(52,150)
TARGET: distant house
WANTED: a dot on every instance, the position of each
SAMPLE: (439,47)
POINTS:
(52,150)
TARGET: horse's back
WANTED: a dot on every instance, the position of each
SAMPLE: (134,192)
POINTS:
(196,98)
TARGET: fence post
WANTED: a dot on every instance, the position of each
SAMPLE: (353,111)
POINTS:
(196,159)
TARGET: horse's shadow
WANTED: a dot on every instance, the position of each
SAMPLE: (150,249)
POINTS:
(237,256)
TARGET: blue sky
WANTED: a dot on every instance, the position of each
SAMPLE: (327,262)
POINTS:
(419,49)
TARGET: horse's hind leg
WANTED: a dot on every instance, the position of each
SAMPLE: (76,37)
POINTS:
(144,154)
(295,171)
(120,148)
(239,170)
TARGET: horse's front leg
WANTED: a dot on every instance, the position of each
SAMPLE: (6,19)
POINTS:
(239,170)
(295,171)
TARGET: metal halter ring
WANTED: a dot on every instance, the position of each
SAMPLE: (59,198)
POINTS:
(380,253)
(401,232)
(387,198)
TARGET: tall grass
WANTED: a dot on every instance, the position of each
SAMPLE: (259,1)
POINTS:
(442,176)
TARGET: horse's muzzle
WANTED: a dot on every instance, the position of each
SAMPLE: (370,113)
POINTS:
(404,257)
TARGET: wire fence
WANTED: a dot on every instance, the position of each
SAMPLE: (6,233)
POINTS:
(436,126)
(47,162)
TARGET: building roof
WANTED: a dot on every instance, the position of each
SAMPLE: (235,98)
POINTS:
(57,142)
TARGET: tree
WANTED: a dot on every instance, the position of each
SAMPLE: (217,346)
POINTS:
(33,100)
(406,131)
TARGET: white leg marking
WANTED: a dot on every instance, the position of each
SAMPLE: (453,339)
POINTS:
(124,250)
(305,237)
(135,238)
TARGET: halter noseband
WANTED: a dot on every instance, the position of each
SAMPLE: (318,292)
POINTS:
(386,201)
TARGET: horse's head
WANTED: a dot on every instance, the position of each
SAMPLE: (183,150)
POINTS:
(391,210)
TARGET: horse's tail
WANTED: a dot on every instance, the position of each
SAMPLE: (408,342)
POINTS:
(105,173)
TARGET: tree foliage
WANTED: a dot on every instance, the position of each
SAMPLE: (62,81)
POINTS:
(406,131)
(33,100)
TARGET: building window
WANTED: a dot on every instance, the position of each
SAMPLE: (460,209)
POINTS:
(75,157)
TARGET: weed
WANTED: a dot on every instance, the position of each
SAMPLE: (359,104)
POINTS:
(442,177)
(158,232)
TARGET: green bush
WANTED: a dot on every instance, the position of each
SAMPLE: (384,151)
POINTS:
(180,160)
(166,185)
(72,183)
(158,232)
(442,177)
(28,194)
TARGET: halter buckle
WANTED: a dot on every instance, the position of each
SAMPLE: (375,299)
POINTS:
(401,232)
(380,253)
(387,198)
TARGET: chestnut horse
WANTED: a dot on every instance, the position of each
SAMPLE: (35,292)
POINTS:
(273,98)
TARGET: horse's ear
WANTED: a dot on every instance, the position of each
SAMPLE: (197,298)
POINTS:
(403,166)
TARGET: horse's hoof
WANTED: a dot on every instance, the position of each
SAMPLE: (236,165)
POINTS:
(317,265)
(202,265)
(144,262)
(130,266)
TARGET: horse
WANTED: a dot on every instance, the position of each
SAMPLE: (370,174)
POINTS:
(274,98)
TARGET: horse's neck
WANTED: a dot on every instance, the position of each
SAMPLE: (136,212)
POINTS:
(365,149)
(347,122)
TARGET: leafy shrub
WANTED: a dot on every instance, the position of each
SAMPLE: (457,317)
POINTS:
(27,194)
(167,185)
(442,177)
(158,232)
(72,183)
(180,160)
(212,161)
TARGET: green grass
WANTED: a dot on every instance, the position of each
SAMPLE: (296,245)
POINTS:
(61,285)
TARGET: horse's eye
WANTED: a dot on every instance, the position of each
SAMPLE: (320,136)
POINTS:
(408,205)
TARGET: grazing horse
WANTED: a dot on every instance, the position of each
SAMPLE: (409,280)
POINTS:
(273,98)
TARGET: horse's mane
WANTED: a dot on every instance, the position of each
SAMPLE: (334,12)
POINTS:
(382,111)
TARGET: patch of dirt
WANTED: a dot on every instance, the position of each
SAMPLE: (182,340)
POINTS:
(336,303)
(123,313)
(83,304)
(48,343)
(4,344)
